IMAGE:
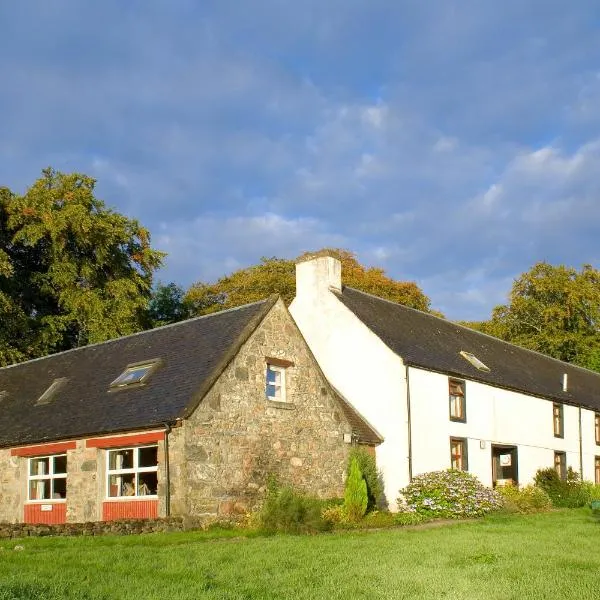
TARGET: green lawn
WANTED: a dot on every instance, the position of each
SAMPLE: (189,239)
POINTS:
(550,556)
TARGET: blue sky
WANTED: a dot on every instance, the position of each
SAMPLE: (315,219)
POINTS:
(451,143)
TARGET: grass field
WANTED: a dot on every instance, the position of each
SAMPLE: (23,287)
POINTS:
(545,556)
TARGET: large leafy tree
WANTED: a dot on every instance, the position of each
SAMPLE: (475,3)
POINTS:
(168,305)
(554,310)
(72,271)
(277,276)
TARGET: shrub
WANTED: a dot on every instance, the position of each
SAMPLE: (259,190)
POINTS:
(526,499)
(449,494)
(409,518)
(566,493)
(335,515)
(355,496)
(289,511)
(371,475)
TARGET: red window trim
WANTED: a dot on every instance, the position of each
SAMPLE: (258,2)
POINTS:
(125,440)
(41,449)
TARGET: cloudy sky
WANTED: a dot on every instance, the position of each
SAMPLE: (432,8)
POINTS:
(452,143)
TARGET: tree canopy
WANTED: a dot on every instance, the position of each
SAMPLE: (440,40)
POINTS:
(72,271)
(278,276)
(554,310)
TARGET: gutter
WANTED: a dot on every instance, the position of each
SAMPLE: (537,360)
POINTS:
(409,425)
(580,448)
(167,472)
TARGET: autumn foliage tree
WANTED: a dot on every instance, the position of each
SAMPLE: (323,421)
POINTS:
(278,276)
(72,271)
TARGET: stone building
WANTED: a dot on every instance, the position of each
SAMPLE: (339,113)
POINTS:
(187,419)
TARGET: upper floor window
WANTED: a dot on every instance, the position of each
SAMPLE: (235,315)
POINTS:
(597,427)
(48,477)
(597,469)
(458,454)
(560,464)
(132,472)
(558,420)
(275,387)
(458,407)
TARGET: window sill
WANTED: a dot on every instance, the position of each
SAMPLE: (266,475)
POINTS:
(53,501)
(282,405)
(130,498)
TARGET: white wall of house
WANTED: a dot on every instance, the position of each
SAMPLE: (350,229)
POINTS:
(367,373)
(493,416)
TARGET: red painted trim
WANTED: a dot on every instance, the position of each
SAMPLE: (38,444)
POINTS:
(125,440)
(41,449)
(130,509)
(33,513)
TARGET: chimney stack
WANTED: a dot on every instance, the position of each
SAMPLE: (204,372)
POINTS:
(317,274)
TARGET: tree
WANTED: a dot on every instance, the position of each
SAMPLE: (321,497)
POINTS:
(168,305)
(278,276)
(72,271)
(554,310)
(355,494)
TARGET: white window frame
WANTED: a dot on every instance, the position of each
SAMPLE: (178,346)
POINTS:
(135,471)
(51,475)
(281,386)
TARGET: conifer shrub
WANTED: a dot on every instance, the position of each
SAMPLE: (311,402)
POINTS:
(371,475)
(355,495)
(449,494)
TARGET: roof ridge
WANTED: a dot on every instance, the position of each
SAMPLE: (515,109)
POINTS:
(137,333)
(480,333)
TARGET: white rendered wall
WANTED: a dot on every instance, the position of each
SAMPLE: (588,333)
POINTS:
(494,416)
(367,373)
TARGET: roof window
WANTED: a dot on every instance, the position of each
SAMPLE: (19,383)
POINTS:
(136,373)
(50,394)
(474,361)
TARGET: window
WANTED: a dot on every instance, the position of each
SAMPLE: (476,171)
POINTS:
(560,464)
(597,469)
(474,361)
(275,383)
(558,420)
(48,477)
(458,454)
(132,472)
(135,373)
(458,406)
(51,392)
(597,427)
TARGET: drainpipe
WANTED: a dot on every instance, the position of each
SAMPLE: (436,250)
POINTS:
(167,472)
(409,424)
(580,448)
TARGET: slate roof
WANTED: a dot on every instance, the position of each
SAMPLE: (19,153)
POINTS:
(429,342)
(193,354)
(364,431)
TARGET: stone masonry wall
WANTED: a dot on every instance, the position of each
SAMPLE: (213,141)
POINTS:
(237,436)
(83,484)
(12,488)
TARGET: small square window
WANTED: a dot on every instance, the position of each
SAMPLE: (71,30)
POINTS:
(560,464)
(558,420)
(275,385)
(458,454)
(458,406)
(136,373)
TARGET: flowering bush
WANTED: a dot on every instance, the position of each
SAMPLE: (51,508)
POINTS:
(449,494)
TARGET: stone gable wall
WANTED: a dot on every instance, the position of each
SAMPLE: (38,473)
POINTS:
(12,488)
(237,437)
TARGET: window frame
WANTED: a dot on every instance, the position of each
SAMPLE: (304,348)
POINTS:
(151,364)
(135,471)
(597,428)
(50,476)
(462,418)
(464,456)
(560,460)
(597,470)
(282,385)
(558,419)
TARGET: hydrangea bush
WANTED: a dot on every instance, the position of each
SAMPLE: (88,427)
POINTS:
(449,494)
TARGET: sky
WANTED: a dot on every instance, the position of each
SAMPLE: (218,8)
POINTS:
(454,144)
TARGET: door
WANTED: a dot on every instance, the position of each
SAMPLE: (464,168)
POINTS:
(505,465)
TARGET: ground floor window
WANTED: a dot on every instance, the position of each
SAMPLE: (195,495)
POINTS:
(47,479)
(132,472)
(458,454)
(560,464)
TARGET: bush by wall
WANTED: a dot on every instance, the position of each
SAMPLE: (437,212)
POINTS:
(373,478)
(565,493)
(355,495)
(527,499)
(449,494)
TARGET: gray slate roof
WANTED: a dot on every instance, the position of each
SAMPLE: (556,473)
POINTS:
(193,354)
(423,340)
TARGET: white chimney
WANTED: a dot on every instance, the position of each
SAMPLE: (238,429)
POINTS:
(316,274)
(565,382)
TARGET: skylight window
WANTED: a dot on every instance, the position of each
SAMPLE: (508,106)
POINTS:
(51,392)
(475,361)
(135,373)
